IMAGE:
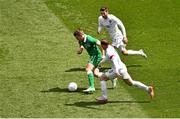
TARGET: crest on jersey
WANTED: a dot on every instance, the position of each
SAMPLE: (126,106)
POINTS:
(110,21)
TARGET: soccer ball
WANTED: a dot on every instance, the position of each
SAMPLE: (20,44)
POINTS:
(72,86)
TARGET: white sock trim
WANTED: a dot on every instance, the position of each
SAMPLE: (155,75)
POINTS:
(89,72)
(133,52)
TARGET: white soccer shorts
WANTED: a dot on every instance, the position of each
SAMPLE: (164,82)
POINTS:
(118,42)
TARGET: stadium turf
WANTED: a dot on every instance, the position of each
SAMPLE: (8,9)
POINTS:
(38,58)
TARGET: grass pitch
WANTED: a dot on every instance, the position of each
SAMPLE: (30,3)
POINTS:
(38,58)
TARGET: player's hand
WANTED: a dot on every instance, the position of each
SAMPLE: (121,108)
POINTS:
(125,40)
(103,56)
(102,60)
(79,51)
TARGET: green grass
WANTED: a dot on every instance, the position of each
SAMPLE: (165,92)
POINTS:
(38,58)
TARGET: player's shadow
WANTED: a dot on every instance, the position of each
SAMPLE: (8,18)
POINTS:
(83,104)
(134,65)
(75,69)
(83,69)
(101,68)
(65,90)
(95,105)
(60,90)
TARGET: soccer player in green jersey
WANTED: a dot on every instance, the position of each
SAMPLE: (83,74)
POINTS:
(91,45)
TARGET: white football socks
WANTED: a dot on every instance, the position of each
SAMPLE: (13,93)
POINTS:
(103,88)
(140,85)
(133,52)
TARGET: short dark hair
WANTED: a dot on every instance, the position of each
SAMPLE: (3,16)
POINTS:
(77,32)
(104,42)
(104,8)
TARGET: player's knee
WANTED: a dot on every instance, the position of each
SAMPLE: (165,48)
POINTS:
(96,71)
(103,77)
(98,74)
(88,69)
(89,72)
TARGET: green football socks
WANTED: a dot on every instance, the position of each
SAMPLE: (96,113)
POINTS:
(91,79)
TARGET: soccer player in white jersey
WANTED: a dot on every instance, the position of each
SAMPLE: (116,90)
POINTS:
(119,70)
(117,32)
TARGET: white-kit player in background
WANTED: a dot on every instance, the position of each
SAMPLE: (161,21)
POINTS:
(117,32)
(117,70)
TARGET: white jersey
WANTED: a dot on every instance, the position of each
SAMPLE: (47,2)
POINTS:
(114,26)
(113,57)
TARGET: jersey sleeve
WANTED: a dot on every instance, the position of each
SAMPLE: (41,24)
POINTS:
(115,63)
(120,25)
(100,26)
(81,44)
(109,54)
(113,59)
(92,39)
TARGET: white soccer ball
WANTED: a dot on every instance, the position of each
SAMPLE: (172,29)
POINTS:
(72,86)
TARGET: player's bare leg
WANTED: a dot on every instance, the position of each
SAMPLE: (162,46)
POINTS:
(97,73)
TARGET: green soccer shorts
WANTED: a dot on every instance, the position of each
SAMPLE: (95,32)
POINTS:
(95,60)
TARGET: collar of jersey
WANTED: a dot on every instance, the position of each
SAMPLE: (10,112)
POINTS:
(85,38)
(107,17)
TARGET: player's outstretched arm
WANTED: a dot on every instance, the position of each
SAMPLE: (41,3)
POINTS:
(99,29)
(120,25)
(80,50)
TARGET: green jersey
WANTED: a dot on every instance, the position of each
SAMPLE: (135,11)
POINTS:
(94,52)
(89,44)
